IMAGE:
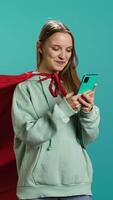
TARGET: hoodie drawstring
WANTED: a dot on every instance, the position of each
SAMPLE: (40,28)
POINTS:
(50,145)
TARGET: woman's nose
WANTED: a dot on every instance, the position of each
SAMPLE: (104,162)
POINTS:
(62,55)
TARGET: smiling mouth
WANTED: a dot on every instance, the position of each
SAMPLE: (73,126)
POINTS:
(60,62)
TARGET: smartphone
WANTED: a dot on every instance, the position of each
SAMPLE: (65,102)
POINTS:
(87,83)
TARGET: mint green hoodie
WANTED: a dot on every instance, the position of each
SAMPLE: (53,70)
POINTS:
(50,159)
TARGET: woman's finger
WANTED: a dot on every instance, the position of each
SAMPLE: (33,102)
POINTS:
(89,98)
(95,86)
(83,101)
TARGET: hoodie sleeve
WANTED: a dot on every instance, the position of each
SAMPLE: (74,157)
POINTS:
(88,125)
(30,128)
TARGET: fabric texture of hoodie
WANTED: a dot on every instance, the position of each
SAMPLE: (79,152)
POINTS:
(50,158)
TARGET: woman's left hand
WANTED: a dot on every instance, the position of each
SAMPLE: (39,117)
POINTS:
(87,100)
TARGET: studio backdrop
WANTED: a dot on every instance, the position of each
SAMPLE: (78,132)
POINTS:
(92,25)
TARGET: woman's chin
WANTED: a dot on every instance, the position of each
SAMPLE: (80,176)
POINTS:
(59,68)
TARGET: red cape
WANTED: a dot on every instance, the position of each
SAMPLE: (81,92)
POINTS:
(8,173)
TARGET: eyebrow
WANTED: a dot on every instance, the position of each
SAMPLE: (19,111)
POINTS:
(60,46)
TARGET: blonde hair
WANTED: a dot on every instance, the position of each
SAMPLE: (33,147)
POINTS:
(68,74)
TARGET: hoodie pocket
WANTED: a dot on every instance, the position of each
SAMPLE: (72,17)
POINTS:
(55,168)
(38,162)
(47,168)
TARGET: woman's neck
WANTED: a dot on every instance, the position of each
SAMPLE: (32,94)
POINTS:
(41,69)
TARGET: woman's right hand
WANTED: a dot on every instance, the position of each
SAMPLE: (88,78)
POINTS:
(72,100)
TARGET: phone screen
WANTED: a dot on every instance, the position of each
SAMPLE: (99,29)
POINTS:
(87,83)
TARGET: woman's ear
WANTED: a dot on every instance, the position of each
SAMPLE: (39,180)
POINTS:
(39,53)
(39,47)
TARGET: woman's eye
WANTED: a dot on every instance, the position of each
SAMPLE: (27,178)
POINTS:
(69,50)
(55,48)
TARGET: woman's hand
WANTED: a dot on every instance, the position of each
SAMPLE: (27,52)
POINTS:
(73,100)
(87,100)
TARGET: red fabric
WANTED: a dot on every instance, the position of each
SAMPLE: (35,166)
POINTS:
(8,173)
(56,82)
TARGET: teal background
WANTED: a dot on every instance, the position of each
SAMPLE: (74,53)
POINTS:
(92,25)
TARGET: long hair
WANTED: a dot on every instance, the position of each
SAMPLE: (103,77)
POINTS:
(68,74)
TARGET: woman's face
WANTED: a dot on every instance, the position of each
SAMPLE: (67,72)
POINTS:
(56,52)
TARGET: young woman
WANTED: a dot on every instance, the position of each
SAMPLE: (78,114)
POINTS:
(52,124)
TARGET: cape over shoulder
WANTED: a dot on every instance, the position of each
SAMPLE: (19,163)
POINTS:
(7,158)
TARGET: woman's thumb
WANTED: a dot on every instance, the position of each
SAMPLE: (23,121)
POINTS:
(69,95)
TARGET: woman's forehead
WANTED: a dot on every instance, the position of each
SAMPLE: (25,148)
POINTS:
(60,39)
